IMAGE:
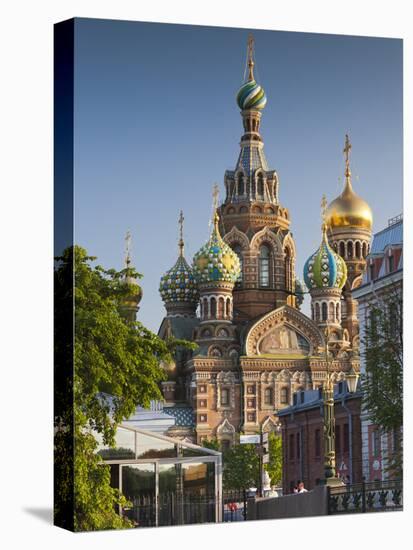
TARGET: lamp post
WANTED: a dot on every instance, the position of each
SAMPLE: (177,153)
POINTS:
(330,474)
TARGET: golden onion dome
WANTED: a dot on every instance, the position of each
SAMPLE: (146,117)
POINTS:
(349,210)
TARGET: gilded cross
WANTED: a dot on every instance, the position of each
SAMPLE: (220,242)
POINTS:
(346,150)
(128,246)
(215,196)
(250,57)
(323,208)
(181,232)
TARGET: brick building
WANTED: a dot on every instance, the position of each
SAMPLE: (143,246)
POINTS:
(303,443)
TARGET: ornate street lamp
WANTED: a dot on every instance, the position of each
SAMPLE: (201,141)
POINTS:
(352,379)
(330,473)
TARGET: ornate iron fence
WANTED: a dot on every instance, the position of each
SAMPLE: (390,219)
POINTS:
(376,496)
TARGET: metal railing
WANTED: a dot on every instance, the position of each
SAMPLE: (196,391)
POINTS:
(376,496)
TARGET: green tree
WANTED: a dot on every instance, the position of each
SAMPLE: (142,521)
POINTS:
(383,380)
(241,467)
(112,355)
(274,467)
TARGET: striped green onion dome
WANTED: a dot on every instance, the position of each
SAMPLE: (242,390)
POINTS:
(216,261)
(325,268)
(251,96)
(179,284)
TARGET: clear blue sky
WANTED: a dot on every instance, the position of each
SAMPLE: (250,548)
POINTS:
(156,124)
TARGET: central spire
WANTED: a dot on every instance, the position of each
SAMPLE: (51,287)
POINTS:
(250,57)
(251,180)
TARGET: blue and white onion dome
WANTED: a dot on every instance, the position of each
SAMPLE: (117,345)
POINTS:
(325,268)
(179,284)
(216,261)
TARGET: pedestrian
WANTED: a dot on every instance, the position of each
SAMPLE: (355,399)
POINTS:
(300,488)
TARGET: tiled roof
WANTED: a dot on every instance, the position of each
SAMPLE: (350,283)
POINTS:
(391,235)
(184,416)
(251,158)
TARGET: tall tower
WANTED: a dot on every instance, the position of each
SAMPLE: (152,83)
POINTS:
(325,274)
(133,292)
(349,222)
(253,221)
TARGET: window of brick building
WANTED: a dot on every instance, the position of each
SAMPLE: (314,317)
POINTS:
(268,396)
(284,395)
(224,396)
(391,264)
(375,442)
(203,418)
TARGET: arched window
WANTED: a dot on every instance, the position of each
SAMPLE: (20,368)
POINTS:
(238,251)
(342,249)
(213,308)
(324,311)
(228,308)
(225,397)
(240,185)
(284,396)
(332,311)
(338,312)
(317,312)
(364,248)
(358,250)
(205,308)
(268,396)
(264,266)
(260,186)
(288,270)
(221,308)
(350,249)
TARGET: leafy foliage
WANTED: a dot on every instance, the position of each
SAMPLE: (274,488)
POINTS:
(274,467)
(383,380)
(241,467)
(112,356)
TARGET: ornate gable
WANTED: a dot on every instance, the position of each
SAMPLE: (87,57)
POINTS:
(284,331)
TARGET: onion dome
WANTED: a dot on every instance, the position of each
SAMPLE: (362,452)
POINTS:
(349,210)
(251,95)
(325,268)
(216,261)
(179,284)
(133,292)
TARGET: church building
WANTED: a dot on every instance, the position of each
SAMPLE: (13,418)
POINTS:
(239,299)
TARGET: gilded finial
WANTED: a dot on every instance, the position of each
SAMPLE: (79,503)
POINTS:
(181,243)
(346,151)
(323,213)
(250,57)
(128,246)
(215,198)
